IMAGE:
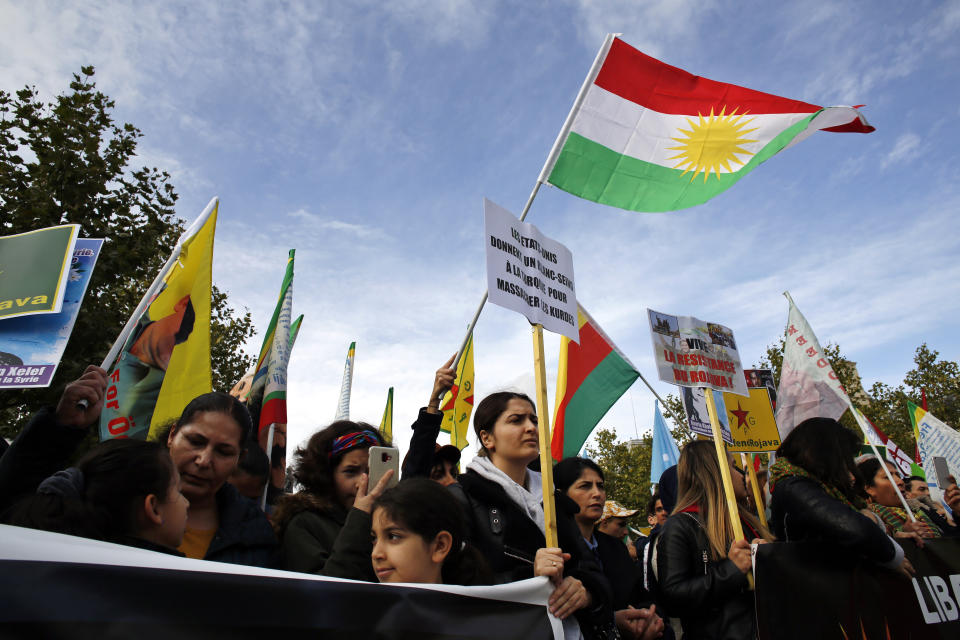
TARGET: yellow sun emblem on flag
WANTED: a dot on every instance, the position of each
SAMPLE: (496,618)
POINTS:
(712,142)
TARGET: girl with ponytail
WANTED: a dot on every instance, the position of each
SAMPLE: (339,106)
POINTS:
(418,536)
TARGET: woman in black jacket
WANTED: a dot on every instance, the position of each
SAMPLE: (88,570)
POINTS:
(205,445)
(504,508)
(581,480)
(814,489)
(701,568)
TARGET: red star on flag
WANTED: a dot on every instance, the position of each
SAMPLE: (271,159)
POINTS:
(741,415)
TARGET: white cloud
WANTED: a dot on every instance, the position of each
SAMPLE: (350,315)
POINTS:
(651,26)
(905,150)
(316,222)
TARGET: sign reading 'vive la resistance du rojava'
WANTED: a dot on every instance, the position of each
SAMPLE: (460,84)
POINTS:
(529,273)
(692,353)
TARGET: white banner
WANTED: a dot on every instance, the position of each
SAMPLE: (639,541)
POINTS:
(809,388)
(937,439)
(692,353)
(529,273)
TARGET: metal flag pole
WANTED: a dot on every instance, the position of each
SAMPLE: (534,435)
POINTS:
(548,165)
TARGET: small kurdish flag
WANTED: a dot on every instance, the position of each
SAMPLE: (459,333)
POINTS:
(457,403)
(591,377)
(646,136)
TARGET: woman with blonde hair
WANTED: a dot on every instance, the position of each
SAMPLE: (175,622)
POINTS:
(701,567)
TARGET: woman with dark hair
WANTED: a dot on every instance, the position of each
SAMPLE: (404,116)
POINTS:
(206,443)
(419,536)
(581,480)
(701,567)
(883,501)
(814,483)
(504,506)
(325,528)
(122,491)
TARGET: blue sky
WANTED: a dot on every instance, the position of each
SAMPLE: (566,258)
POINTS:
(365,134)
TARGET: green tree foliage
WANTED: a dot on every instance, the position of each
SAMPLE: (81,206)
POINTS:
(940,378)
(67,161)
(884,405)
(626,467)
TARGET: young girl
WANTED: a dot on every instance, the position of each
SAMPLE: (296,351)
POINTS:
(123,491)
(418,536)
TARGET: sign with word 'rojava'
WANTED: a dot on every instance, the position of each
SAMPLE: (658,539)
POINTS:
(692,353)
(529,273)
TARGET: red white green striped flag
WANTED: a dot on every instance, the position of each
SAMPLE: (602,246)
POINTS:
(646,136)
(591,377)
(275,355)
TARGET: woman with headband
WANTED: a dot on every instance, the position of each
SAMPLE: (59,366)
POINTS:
(325,528)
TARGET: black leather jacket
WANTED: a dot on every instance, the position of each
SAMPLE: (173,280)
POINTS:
(508,539)
(802,510)
(710,597)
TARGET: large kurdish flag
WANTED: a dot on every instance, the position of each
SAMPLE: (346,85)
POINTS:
(647,136)
(591,377)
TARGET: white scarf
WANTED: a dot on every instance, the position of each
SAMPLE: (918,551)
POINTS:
(529,499)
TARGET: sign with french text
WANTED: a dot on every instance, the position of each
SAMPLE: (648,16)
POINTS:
(692,353)
(529,273)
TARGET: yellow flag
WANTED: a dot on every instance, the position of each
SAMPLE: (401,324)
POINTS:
(457,404)
(165,359)
(188,373)
(752,423)
(386,424)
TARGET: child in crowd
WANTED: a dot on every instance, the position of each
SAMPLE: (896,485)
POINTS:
(418,536)
(123,491)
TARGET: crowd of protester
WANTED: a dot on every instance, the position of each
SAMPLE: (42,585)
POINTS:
(196,492)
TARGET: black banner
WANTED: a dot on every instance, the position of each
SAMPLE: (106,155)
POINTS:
(100,601)
(807,590)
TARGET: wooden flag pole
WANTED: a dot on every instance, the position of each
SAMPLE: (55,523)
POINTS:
(755,484)
(543,418)
(725,471)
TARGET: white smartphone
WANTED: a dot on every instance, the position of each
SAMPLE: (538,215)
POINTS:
(383,459)
(942,472)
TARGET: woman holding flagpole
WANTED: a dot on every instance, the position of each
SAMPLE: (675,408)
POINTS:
(205,444)
(701,568)
(503,503)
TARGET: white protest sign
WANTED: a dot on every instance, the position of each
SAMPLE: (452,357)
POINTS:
(692,353)
(529,273)
(936,438)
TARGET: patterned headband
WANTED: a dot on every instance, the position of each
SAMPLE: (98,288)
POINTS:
(353,440)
